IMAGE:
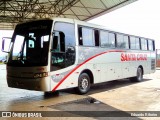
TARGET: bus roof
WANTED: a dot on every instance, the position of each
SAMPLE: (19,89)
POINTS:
(82,23)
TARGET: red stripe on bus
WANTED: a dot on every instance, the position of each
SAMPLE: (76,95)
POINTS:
(83,64)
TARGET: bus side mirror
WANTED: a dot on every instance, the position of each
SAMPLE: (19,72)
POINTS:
(6,44)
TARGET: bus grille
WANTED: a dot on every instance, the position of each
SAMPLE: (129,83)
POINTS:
(153,64)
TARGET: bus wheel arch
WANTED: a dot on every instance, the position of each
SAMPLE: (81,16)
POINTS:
(84,81)
(90,74)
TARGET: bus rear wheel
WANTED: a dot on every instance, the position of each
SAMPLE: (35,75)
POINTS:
(83,83)
(139,76)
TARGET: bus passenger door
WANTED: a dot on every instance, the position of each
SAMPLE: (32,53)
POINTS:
(58,52)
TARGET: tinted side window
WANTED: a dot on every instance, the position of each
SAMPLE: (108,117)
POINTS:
(150,45)
(126,42)
(88,37)
(63,48)
(132,42)
(120,43)
(111,40)
(69,32)
(137,44)
(104,38)
(143,44)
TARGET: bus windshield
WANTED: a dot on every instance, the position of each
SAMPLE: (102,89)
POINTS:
(31,44)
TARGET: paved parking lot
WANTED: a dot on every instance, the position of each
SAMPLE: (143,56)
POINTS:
(119,95)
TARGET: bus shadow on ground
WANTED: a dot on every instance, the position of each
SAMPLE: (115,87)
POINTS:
(97,88)
(105,86)
(90,107)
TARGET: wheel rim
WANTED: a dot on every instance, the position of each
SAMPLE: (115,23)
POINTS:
(84,84)
(139,74)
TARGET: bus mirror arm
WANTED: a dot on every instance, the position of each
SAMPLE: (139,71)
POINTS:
(3,42)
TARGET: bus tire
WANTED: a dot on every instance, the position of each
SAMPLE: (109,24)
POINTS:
(83,83)
(139,76)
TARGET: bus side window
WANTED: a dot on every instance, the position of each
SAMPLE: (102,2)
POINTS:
(104,38)
(88,37)
(96,34)
(137,41)
(150,45)
(132,43)
(143,44)
(112,40)
(120,42)
(126,42)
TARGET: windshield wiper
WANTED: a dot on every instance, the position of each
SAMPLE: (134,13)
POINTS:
(20,57)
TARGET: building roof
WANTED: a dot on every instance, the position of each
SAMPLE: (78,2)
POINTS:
(15,11)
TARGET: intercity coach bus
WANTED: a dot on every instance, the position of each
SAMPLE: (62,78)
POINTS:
(54,54)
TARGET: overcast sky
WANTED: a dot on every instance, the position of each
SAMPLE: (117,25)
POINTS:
(139,18)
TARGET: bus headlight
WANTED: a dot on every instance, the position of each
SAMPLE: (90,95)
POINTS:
(40,75)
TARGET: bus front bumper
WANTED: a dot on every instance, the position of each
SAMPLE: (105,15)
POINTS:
(39,84)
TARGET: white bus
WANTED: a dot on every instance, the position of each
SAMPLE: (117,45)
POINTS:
(54,54)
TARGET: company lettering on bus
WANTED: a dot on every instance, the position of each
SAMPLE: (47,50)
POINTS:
(133,57)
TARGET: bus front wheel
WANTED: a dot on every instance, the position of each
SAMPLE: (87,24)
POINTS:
(83,83)
(139,76)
